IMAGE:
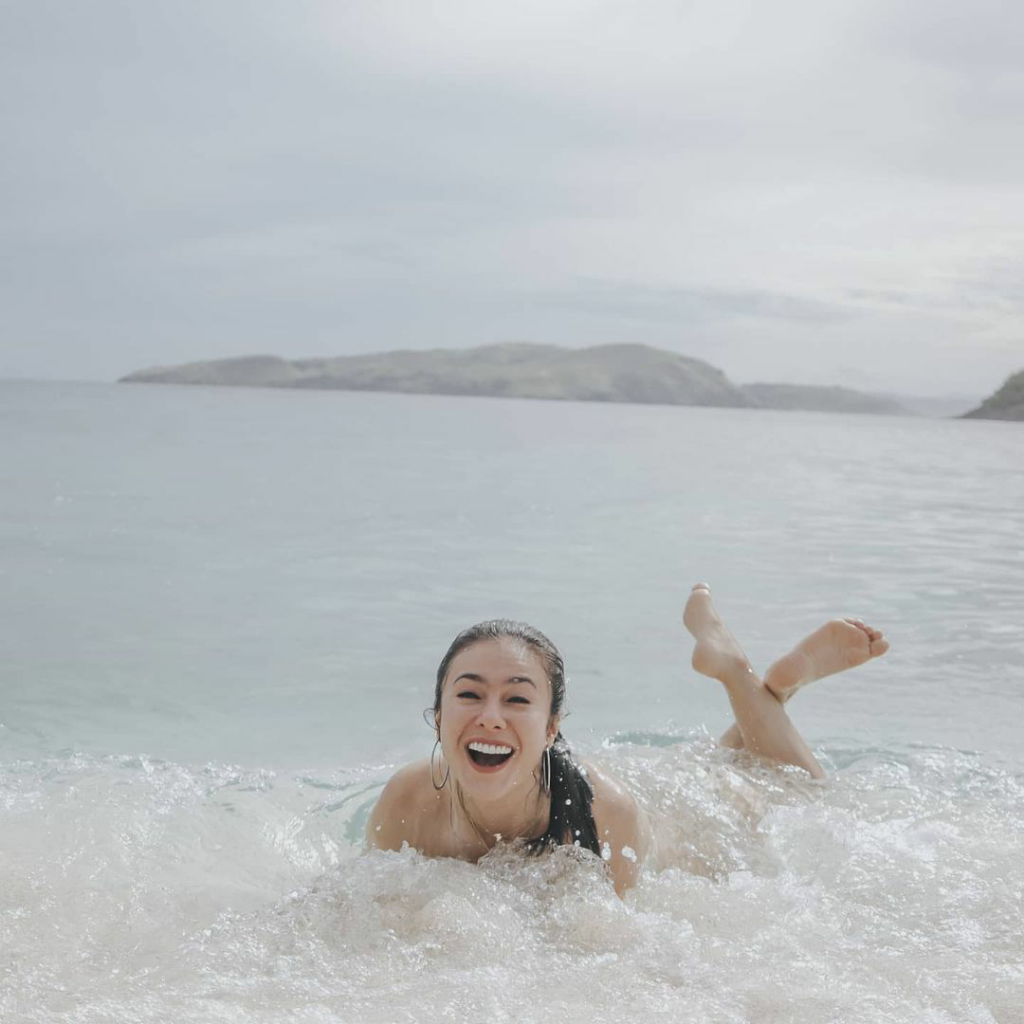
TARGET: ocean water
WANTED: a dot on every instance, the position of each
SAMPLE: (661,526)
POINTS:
(222,611)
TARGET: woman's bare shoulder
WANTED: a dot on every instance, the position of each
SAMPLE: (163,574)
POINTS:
(622,827)
(612,797)
(404,808)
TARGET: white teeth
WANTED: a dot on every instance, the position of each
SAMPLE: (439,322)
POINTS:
(489,748)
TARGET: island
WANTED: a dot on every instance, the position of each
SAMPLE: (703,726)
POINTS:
(1005,404)
(822,399)
(600,373)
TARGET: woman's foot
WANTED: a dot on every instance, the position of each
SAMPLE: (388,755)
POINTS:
(717,654)
(838,645)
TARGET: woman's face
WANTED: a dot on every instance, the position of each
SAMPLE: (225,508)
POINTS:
(495,717)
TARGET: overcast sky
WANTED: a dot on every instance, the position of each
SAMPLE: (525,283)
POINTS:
(809,191)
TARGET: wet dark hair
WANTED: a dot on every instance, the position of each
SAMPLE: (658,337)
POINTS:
(572,819)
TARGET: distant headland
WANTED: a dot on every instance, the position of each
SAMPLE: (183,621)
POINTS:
(1005,404)
(601,373)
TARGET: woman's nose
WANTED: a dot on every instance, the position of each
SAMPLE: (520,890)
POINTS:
(490,715)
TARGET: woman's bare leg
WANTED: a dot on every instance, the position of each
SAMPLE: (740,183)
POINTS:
(761,720)
(732,738)
(838,645)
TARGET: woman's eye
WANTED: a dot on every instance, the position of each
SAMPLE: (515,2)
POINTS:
(518,700)
(469,693)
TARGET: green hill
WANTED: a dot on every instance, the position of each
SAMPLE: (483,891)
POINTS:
(603,373)
(1006,404)
(822,399)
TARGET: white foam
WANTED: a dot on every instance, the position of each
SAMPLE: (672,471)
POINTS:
(148,891)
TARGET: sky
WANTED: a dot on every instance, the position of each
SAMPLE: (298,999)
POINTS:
(805,191)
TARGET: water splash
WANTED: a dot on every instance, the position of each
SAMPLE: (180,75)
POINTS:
(141,890)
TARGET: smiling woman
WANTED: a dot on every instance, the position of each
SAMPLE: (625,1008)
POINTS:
(525,673)
(502,771)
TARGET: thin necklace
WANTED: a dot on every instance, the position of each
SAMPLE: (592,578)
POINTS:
(469,818)
(479,834)
(473,825)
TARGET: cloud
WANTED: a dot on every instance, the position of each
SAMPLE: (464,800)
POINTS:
(689,307)
(188,180)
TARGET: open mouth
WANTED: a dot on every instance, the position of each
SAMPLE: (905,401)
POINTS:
(489,755)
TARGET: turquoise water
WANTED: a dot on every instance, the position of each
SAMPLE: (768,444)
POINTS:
(223,610)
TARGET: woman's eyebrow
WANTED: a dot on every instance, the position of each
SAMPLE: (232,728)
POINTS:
(473,677)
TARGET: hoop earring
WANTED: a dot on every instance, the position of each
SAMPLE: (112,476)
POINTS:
(448,772)
(545,771)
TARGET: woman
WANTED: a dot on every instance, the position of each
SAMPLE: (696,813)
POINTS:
(504,771)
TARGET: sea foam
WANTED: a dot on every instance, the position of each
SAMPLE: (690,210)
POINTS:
(141,890)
